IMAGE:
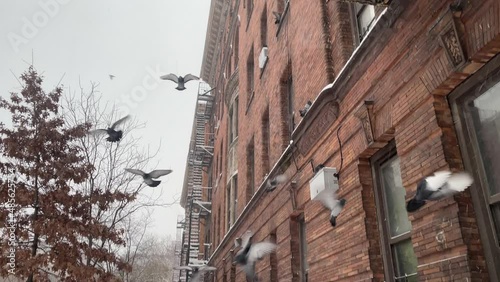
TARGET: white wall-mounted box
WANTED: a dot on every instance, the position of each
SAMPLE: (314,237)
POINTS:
(324,179)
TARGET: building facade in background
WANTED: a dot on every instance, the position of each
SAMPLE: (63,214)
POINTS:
(399,90)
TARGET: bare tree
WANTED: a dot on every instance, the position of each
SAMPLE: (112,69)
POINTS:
(153,260)
(110,160)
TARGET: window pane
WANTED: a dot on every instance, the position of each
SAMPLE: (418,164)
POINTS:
(394,193)
(485,111)
(365,14)
(405,262)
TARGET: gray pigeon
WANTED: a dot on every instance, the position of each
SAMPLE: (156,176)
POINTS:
(272,183)
(330,201)
(179,79)
(306,109)
(148,177)
(277,17)
(250,253)
(196,271)
(441,185)
(113,135)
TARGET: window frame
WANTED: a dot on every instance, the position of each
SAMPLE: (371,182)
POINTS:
(457,99)
(383,156)
(358,37)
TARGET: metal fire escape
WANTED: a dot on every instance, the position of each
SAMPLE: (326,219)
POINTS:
(199,159)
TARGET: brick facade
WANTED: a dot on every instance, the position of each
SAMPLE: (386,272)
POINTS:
(404,72)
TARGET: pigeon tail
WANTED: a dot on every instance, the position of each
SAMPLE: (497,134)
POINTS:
(180,88)
(333,220)
(414,205)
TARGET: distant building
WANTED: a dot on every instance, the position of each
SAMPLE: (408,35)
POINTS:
(398,90)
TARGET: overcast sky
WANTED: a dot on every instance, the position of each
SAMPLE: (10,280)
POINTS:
(136,41)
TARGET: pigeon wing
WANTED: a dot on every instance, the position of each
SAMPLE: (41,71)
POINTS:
(97,132)
(328,199)
(159,172)
(459,181)
(259,250)
(183,268)
(282,178)
(189,77)
(245,239)
(237,242)
(135,171)
(207,268)
(119,121)
(171,77)
(437,180)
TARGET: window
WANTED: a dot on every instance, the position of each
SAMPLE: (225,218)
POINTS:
(250,78)
(263,27)
(400,262)
(287,97)
(234,199)
(249,10)
(273,260)
(233,121)
(290,100)
(298,245)
(266,142)
(236,46)
(476,112)
(231,201)
(363,18)
(250,170)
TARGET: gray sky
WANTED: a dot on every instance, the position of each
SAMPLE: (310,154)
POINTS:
(134,40)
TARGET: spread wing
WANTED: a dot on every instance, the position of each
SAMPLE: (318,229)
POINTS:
(206,268)
(189,77)
(437,181)
(97,131)
(183,268)
(245,239)
(135,171)
(119,121)
(259,250)
(328,199)
(171,77)
(159,172)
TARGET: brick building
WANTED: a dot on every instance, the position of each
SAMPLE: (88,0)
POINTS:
(399,90)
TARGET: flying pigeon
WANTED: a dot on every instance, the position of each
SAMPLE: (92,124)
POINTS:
(249,254)
(306,109)
(148,177)
(441,185)
(196,271)
(330,201)
(113,135)
(111,77)
(272,183)
(179,79)
(277,17)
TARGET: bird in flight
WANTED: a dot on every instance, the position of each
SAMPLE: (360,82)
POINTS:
(113,134)
(330,201)
(250,253)
(272,183)
(148,177)
(111,77)
(441,185)
(180,80)
(196,271)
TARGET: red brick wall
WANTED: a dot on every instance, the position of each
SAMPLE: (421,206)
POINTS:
(408,82)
